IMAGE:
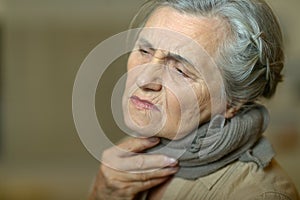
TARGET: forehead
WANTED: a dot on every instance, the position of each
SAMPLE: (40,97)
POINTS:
(206,32)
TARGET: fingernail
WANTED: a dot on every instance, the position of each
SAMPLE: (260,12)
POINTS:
(171,161)
(153,139)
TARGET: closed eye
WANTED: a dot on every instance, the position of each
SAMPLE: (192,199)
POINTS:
(181,72)
(143,51)
(178,66)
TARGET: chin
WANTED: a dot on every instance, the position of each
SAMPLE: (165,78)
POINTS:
(141,130)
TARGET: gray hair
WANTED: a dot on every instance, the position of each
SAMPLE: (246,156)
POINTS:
(251,57)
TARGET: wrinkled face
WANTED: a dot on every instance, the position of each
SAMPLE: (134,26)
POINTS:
(166,92)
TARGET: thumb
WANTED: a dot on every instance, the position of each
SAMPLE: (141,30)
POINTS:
(136,145)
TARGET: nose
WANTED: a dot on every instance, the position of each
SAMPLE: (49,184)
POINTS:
(150,78)
(154,85)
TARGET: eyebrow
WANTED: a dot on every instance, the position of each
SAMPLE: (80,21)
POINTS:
(181,59)
(145,42)
(172,55)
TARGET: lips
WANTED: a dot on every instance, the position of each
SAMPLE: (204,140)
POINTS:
(142,104)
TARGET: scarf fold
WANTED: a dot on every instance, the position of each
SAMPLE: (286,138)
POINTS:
(218,143)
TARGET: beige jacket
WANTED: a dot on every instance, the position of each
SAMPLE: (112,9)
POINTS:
(237,181)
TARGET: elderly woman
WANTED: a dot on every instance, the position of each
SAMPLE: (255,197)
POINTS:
(195,75)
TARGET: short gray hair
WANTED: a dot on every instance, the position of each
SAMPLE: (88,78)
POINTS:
(251,58)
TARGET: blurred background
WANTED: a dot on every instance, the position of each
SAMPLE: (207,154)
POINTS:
(42,44)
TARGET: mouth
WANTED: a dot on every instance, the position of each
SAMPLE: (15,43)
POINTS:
(142,104)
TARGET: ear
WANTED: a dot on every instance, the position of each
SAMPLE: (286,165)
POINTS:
(231,111)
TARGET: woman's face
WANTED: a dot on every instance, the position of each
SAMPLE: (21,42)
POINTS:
(165,95)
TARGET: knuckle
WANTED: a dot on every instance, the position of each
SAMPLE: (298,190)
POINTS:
(109,158)
(146,184)
(105,173)
(140,162)
(143,177)
(122,187)
(104,170)
(113,184)
(105,155)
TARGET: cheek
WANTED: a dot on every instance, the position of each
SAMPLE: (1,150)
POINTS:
(194,106)
(173,107)
(182,111)
(135,59)
(132,63)
(202,94)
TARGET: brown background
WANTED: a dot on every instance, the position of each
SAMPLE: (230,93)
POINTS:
(43,43)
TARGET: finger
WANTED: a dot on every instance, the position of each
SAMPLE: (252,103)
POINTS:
(123,176)
(145,176)
(135,145)
(137,162)
(122,180)
(129,161)
(128,147)
(142,162)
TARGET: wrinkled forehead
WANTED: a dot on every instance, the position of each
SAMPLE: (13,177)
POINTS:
(176,43)
(207,31)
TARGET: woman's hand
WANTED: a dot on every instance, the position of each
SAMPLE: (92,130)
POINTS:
(124,173)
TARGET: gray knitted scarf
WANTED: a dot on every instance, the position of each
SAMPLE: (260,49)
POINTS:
(218,143)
